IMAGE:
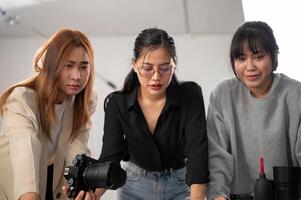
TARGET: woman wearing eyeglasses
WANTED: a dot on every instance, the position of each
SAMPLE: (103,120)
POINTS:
(157,125)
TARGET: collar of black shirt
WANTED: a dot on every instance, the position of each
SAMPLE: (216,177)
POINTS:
(172,96)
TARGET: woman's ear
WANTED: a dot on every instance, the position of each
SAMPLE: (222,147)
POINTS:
(134,65)
(173,64)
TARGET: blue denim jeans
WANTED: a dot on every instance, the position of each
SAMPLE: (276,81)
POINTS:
(153,185)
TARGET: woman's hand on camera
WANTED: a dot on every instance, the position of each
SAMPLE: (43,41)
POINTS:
(87,195)
(30,196)
(220,198)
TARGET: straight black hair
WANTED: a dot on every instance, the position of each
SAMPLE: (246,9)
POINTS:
(255,34)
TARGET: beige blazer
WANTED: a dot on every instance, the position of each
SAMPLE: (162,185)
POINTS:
(23,147)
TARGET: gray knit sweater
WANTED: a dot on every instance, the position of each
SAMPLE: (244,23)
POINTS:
(242,128)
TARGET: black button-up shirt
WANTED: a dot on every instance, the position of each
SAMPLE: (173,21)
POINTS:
(180,134)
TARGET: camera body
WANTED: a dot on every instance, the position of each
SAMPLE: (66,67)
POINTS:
(88,174)
(241,197)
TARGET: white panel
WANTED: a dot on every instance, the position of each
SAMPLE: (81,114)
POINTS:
(11,4)
(98,17)
(214,16)
(123,17)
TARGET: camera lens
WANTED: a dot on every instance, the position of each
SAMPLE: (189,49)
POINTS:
(286,182)
(96,175)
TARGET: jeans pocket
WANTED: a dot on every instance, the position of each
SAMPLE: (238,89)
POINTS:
(179,175)
(132,176)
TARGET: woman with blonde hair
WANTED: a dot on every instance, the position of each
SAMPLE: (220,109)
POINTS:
(47,119)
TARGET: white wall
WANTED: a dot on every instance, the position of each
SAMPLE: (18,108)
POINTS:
(202,58)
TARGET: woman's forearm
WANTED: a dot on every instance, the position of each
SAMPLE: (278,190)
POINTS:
(30,196)
(198,191)
(100,191)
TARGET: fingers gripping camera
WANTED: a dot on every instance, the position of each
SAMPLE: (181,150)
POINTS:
(88,174)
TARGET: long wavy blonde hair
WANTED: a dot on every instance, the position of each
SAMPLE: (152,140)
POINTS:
(48,63)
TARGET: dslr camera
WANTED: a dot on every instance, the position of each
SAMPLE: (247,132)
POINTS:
(88,174)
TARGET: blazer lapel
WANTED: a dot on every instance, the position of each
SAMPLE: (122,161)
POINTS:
(63,142)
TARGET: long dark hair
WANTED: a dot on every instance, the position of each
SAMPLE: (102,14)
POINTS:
(255,34)
(146,41)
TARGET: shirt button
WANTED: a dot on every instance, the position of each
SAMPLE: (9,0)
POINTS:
(58,195)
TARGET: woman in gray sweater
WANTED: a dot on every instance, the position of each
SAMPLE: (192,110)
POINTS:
(251,115)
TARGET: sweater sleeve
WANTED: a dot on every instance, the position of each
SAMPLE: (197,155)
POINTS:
(220,159)
(298,145)
(297,110)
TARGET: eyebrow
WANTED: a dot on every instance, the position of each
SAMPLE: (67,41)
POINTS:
(153,64)
(82,62)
